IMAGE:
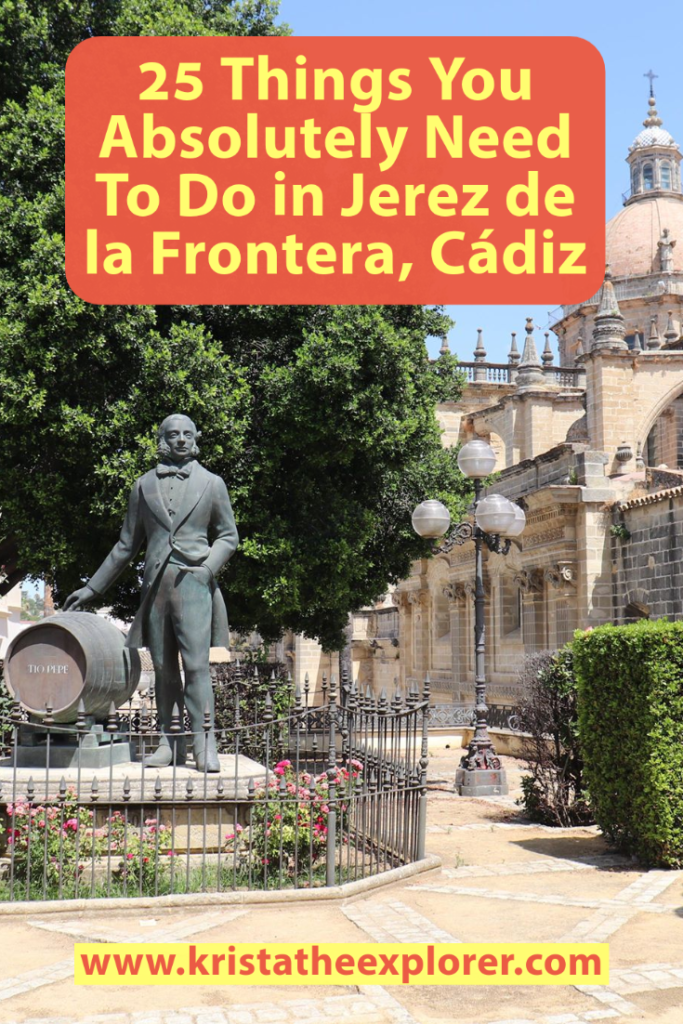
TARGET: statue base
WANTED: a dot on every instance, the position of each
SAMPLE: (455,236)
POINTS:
(97,749)
(481,782)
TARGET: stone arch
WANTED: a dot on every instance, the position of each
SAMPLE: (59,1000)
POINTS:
(648,421)
(497,426)
(438,567)
(500,448)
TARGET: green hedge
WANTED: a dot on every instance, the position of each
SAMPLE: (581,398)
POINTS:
(631,726)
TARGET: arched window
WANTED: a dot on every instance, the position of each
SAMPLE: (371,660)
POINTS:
(510,606)
(665,175)
(635,179)
(648,178)
(441,616)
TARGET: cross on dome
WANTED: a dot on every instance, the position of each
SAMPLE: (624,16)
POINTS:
(651,75)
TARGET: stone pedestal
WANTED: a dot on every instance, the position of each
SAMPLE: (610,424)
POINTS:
(97,749)
(67,755)
(128,782)
(481,782)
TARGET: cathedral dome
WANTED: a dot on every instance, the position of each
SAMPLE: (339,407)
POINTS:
(652,134)
(653,137)
(633,236)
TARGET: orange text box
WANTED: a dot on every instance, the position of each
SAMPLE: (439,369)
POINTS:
(335,170)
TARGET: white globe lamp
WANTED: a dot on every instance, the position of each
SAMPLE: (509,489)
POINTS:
(476,459)
(431,519)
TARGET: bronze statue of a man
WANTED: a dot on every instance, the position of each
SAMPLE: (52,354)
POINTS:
(182,514)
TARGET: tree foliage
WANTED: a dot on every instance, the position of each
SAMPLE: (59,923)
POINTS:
(320,419)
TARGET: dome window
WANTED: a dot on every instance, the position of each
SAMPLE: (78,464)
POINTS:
(648,177)
(665,175)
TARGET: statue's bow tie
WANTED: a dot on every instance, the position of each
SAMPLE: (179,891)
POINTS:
(179,471)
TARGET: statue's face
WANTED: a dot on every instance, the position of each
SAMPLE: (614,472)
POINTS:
(180,437)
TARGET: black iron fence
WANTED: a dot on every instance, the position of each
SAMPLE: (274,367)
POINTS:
(305,797)
(457,716)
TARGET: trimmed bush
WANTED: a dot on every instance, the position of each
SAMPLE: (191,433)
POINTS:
(553,792)
(630,681)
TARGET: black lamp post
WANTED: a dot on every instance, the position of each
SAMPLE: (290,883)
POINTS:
(496,522)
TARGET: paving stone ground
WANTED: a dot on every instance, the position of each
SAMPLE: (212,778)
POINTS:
(502,880)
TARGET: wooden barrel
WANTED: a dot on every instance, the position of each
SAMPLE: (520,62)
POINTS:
(69,657)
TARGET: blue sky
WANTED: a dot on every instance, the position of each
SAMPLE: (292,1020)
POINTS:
(632,38)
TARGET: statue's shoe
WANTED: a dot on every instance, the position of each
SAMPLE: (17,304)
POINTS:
(208,763)
(161,758)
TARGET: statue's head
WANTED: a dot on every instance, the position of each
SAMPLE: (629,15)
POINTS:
(177,437)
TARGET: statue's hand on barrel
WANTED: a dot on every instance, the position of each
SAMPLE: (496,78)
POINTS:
(78,599)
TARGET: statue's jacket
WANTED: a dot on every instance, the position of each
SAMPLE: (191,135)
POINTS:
(204,512)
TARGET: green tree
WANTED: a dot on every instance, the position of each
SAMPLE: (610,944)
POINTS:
(320,419)
(32,606)
(44,328)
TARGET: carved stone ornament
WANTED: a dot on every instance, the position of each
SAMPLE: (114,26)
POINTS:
(530,581)
(470,587)
(561,575)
